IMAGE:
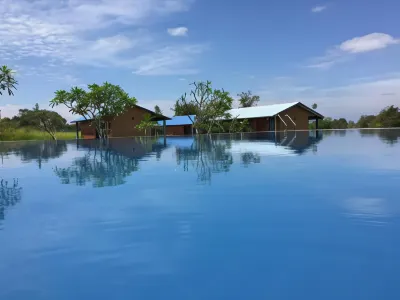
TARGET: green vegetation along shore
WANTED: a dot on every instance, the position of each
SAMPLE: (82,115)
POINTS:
(21,134)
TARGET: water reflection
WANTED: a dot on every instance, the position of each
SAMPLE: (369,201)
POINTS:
(107,163)
(206,155)
(10,195)
(215,154)
(388,136)
(40,152)
(369,210)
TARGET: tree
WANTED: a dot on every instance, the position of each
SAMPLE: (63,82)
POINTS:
(366,121)
(184,109)
(7,80)
(314,106)
(45,120)
(157,110)
(248,100)
(238,125)
(339,123)
(351,124)
(388,117)
(50,121)
(146,123)
(96,104)
(210,106)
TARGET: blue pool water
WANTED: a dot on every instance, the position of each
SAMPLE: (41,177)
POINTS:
(255,216)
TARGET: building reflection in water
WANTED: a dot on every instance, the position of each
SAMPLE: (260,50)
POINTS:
(215,154)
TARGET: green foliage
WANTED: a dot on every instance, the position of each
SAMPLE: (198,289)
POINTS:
(31,125)
(183,108)
(7,80)
(209,105)
(387,118)
(27,133)
(366,121)
(351,124)
(246,99)
(147,123)
(99,102)
(40,119)
(157,110)
(239,126)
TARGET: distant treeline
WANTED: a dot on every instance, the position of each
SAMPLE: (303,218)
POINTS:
(387,118)
(32,124)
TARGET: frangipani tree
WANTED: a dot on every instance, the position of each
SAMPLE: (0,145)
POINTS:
(96,104)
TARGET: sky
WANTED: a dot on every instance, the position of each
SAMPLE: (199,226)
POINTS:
(342,55)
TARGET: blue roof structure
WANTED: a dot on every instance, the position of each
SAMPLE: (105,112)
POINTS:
(179,120)
(80,119)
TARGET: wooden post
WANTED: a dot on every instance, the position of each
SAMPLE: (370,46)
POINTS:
(165,132)
(77,130)
(316,123)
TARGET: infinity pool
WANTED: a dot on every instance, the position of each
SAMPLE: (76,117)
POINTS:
(253,216)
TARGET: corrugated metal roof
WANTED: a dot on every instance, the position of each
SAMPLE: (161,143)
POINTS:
(260,111)
(178,120)
(80,119)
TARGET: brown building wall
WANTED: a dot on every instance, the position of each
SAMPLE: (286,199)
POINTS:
(176,130)
(259,124)
(121,126)
(88,130)
(125,124)
(298,114)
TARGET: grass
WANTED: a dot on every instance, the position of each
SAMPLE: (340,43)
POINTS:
(23,134)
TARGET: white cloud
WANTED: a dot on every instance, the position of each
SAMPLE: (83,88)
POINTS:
(362,96)
(319,8)
(166,60)
(369,42)
(86,31)
(10,110)
(178,31)
(346,50)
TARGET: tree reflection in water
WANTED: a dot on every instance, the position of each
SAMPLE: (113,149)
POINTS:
(10,195)
(40,152)
(388,136)
(248,158)
(206,155)
(107,163)
(214,154)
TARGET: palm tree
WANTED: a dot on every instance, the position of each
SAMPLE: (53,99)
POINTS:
(7,80)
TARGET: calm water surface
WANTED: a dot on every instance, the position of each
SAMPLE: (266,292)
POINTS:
(302,216)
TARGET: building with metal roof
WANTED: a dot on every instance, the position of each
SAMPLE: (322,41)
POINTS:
(180,125)
(123,125)
(275,117)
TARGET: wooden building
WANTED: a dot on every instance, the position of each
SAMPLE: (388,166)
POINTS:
(179,125)
(123,125)
(277,117)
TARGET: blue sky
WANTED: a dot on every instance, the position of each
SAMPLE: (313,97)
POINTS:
(343,55)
